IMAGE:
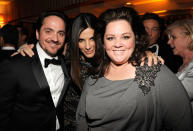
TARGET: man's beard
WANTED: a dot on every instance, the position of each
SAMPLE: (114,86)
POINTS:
(50,54)
(59,52)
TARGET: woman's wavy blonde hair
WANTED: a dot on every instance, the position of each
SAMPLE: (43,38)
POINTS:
(186,25)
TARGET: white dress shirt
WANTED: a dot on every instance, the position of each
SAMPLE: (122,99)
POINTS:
(157,48)
(54,76)
(7,48)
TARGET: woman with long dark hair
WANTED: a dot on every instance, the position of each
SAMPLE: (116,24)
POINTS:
(82,49)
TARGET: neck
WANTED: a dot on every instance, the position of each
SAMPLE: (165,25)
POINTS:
(82,58)
(8,45)
(151,44)
(187,58)
(86,59)
(120,72)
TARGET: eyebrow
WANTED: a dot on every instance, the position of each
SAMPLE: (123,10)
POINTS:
(121,34)
(155,27)
(53,30)
(62,31)
(152,27)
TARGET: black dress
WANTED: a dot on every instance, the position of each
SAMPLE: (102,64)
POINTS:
(72,99)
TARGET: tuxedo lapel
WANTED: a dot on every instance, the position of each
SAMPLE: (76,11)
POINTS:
(38,71)
(66,80)
(41,78)
(39,75)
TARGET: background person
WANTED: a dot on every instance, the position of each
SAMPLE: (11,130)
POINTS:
(9,39)
(24,36)
(154,26)
(181,41)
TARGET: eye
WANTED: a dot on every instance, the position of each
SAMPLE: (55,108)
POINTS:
(61,34)
(48,31)
(109,38)
(92,38)
(155,29)
(173,37)
(146,29)
(80,40)
(126,37)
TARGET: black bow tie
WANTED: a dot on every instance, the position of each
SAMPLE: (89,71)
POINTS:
(152,49)
(51,61)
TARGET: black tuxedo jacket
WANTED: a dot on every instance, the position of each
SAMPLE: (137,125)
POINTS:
(25,100)
(172,61)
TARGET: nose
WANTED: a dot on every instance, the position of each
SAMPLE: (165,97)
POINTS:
(55,37)
(118,43)
(88,45)
(149,32)
(170,41)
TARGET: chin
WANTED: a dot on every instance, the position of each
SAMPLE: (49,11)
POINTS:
(119,62)
(175,53)
(53,54)
(89,56)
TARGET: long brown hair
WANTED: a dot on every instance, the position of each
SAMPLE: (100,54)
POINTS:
(80,23)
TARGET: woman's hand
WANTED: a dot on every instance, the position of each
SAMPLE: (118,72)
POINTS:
(152,59)
(25,50)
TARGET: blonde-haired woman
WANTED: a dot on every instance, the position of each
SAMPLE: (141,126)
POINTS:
(181,41)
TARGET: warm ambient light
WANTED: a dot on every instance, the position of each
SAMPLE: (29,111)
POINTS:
(128,3)
(146,2)
(4,2)
(160,11)
(2,21)
(156,12)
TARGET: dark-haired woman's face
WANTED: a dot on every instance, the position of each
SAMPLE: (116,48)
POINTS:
(86,43)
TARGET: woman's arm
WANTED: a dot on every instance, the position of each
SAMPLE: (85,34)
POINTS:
(174,105)
(25,50)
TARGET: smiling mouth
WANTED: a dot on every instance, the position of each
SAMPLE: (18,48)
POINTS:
(53,42)
(172,47)
(89,52)
(118,50)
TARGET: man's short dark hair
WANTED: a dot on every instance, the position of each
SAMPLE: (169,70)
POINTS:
(51,13)
(156,17)
(10,34)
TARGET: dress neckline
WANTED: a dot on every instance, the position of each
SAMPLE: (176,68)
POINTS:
(117,80)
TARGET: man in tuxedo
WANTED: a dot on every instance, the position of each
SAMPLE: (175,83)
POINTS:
(154,26)
(9,38)
(32,89)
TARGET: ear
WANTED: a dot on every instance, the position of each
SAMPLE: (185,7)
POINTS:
(190,43)
(65,47)
(1,41)
(37,35)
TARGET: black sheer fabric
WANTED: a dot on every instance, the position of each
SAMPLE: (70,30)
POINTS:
(72,99)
